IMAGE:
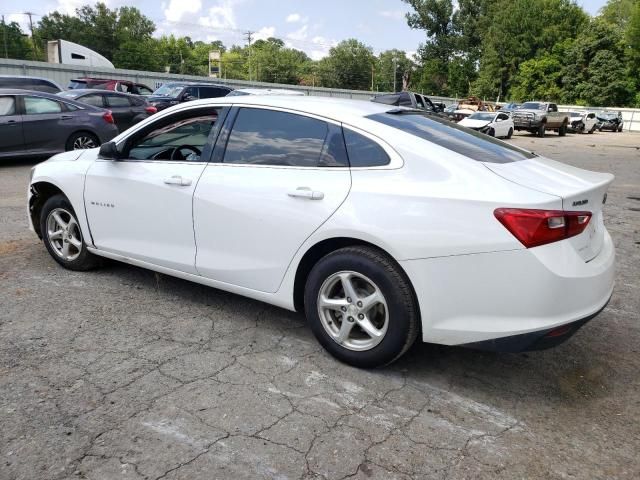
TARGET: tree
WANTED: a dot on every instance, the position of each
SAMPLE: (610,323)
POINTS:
(17,43)
(390,69)
(348,65)
(539,79)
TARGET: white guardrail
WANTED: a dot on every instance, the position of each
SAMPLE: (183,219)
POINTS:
(62,74)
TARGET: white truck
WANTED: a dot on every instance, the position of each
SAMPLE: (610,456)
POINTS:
(538,117)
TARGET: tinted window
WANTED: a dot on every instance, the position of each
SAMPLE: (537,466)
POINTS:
(38,105)
(405,100)
(144,90)
(44,86)
(267,137)
(190,92)
(213,92)
(181,137)
(502,116)
(419,101)
(95,100)
(7,106)
(364,152)
(117,101)
(474,145)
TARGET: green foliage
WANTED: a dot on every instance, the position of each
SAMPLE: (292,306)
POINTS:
(538,79)
(15,43)
(348,65)
(392,64)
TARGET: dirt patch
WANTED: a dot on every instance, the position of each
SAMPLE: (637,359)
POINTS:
(10,246)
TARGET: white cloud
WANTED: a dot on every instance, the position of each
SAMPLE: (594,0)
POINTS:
(21,20)
(179,9)
(300,34)
(221,16)
(264,33)
(321,47)
(293,18)
(393,14)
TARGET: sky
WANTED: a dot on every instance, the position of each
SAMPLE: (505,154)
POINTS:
(312,26)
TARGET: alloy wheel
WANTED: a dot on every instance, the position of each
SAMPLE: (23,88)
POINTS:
(353,310)
(64,234)
(83,142)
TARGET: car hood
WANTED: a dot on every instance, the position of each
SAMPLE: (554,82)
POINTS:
(473,123)
(69,156)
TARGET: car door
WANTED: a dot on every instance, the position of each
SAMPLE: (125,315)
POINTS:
(502,125)
(11,137)
(280,176)
(141,206)
(121,109)
(45,124)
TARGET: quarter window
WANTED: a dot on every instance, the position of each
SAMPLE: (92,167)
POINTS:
(39,105)
(7,106)
(364,152)
(267,137)
(179,138)
(212,92)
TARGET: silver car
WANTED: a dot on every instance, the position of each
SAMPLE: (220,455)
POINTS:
(37,123)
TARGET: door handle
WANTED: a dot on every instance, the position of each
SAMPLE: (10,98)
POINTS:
(306,192)
(66,117)
(178,180)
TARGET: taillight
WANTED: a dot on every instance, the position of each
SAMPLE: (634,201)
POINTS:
(150,110)
(108,117)
(539,227)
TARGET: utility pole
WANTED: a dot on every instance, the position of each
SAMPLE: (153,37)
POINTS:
(4,34)
(249,35)
(395,73)
(33,40)
(372,77)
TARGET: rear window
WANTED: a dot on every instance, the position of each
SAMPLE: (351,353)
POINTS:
(444,133)
(77,84)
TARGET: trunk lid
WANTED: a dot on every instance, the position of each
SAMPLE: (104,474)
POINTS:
(580,190)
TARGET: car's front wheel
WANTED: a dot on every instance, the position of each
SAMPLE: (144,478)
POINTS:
(361,307)
(62,235)
(82,141)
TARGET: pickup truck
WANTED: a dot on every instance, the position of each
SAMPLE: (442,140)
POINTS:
(410,99)
(538,117)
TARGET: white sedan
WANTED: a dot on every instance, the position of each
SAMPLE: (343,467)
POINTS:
(382,224)
(494,124)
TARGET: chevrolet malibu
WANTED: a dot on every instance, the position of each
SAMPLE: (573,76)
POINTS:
(382,224)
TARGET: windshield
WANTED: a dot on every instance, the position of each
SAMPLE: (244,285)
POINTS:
(534,106)
(464,141)
(482,116)
(169,90)
(608,115)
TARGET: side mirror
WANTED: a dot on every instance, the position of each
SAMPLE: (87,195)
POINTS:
(109,151)
(187,98)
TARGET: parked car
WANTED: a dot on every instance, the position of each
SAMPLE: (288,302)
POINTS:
(508,108)
(610,121)
(374,220)
(127,110)
(264,91)
(538,117)
(29,83)
(37,123)
(174,93)
(582,122)
(493,124)
(450,111)
(125,86)
(407,99)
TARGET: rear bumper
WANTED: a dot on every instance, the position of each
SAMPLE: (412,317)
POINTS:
(470,299)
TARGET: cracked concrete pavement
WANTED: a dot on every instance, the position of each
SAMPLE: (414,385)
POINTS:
(123,373)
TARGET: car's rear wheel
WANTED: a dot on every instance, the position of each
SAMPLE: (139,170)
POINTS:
(62,236)
(510,134)
(563,130)
(82,141)
(361,307)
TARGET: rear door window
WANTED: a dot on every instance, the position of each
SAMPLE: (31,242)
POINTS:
(213,92)
(7,106)
(269,137)
(444,133)
(117,101)
(94,99)
(40,105)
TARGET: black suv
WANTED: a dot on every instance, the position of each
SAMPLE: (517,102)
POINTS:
(410,99)
(177,92)
(29,83)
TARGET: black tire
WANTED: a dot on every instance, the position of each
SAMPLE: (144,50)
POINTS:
(85,260)
(542,130)
(491,132)
(387,275)
(593,129)
(562,131)
(510,134)
(77,139)
(600,129)
(620,129)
